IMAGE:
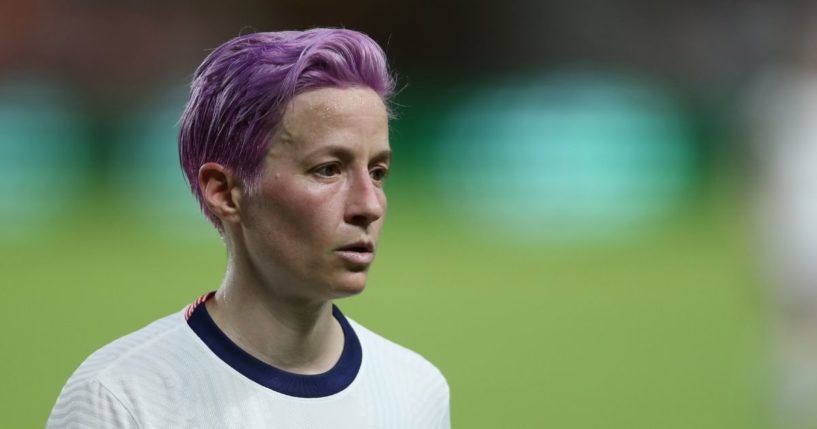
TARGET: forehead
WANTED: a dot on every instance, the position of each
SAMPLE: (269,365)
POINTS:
(332,108)
(353,120)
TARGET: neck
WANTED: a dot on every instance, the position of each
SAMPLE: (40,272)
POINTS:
(294,335)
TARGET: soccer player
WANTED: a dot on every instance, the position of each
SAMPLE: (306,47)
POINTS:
(285,144)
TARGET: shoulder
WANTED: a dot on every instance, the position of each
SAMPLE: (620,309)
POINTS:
(389,356)
(139,345)
(416,386)
(104,382)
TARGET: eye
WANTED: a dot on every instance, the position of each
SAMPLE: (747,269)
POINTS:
(379,174)
(328,170)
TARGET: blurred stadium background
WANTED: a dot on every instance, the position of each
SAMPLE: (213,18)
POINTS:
(571,237)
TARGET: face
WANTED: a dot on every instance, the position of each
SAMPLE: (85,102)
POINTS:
(311,227)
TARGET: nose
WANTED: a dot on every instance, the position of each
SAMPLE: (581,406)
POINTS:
(365,200)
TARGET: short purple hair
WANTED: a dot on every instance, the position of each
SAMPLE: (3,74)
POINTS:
(241,90)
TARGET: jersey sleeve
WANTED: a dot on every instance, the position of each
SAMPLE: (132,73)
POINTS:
(445,417)
(89,405)
(435,407)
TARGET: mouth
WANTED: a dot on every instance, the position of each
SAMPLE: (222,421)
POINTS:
(358,246)
(359,253)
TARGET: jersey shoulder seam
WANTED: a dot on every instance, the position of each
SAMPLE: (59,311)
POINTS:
(141,346)
(118,400)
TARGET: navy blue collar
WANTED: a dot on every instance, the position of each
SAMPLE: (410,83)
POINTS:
(303,386)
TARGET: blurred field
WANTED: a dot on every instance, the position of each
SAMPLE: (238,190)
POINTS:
(610,116)
(665,331)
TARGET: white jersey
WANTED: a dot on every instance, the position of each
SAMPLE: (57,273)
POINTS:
(183,372)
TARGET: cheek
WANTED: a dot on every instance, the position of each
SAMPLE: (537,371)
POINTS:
(298,213)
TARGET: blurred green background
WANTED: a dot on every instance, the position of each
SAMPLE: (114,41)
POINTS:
(663,332)
(658,325)
(570,236)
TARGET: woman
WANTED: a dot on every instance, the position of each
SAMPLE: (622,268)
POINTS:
(284,142)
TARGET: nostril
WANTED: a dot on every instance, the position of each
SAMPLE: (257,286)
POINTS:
(362,219)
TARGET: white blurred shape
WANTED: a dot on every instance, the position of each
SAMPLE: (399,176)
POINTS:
(782,119)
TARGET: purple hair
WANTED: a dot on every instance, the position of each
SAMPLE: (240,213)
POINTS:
(240,91)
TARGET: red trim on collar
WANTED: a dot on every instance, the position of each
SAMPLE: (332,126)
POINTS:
(196,303)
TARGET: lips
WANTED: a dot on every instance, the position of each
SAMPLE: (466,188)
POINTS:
(358,246)
(358,253)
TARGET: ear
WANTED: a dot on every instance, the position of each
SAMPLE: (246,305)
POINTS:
(221,191)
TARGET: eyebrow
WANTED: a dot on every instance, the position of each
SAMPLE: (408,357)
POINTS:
(345,154)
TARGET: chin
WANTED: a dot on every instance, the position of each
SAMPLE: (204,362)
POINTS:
(351,284)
